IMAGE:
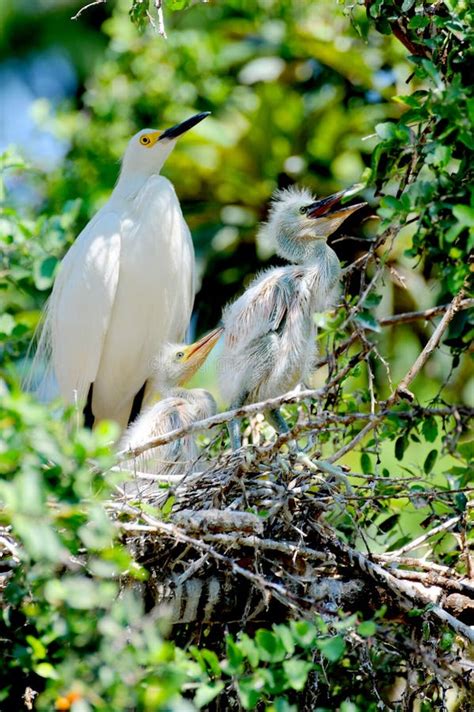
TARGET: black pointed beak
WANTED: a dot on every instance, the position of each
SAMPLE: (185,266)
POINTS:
(325,207)
(184,126)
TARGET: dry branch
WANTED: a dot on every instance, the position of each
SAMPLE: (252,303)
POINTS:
(406,593)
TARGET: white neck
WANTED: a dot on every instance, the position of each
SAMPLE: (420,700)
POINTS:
(129,183)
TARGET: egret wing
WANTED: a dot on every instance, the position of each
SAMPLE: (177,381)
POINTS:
(81,304)
(262,309)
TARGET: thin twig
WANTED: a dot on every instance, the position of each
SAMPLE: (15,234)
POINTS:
(421,540)
(402,389)
(425,314)
(87,7)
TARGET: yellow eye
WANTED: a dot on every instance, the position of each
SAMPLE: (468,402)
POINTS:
(145,140)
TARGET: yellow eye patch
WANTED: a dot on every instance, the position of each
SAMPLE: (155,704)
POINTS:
(149,140)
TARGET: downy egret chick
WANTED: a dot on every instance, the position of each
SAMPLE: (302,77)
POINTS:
(175,366)
(125,287)
(269,345)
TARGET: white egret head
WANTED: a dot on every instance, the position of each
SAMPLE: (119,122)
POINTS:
(297,220)
(147,151)
(176,364)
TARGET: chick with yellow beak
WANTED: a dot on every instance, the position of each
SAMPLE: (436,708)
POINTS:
(178,407)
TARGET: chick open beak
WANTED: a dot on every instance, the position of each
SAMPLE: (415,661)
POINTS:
(184,126)
(325,208)
(195,354)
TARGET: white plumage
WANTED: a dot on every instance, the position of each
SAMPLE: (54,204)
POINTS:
(270,345)
(180,407)
(125,287)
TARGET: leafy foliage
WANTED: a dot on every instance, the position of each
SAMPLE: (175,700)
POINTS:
(65,629)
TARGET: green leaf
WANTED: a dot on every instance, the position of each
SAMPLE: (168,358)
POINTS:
(43,273)
(168,506)
(332,648)
(303,632)
(281,704)
(366,463)
(464,214)
(429,429)
(212,662)
(297,672)
(46,670)
(249,649)
(386,131)
(401,445)
(367,321)
(208,692)
(7,324)
(418,21)
(372,300)
(367,629)
(389,201)
(248,693)
(447,640)
(467,450)
(39,650)
(430,461)
(270,647)
(286,637)
(235,657)
(348,706)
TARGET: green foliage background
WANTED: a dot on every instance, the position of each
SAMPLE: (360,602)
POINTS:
(307,92)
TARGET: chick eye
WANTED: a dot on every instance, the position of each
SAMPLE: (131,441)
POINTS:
(144,140)
(180,355)
(303,209)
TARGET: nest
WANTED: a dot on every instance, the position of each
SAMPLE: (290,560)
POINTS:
(247,542)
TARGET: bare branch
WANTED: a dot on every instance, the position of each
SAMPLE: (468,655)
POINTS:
(402,389)
(426,314)
(87,7)
(406,593)
(421,540)
(430,346)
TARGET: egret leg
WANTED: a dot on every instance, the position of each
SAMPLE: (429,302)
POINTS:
(277,420)
(233,426)
(137,404)
(88,414)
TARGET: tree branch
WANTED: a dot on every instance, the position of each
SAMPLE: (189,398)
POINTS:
(406,593)
(87,7)
(402,389)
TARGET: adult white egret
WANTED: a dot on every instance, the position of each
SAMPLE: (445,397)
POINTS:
(269,344)
(175,366)
(125,287)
